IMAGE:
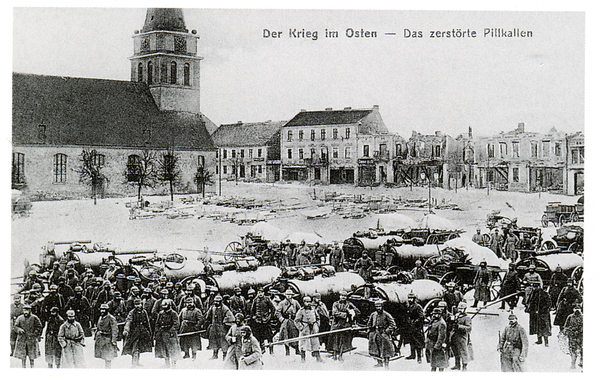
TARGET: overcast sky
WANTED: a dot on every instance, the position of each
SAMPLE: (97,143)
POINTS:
(422,84)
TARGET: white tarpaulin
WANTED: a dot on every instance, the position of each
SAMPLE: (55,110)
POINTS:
(395,222)
(476,252)
(436,222)
(267,231)
(424,290)
(567,261)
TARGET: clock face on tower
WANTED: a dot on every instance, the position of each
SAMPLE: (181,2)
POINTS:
(145,44)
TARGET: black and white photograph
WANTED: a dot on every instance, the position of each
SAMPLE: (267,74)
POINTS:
(297,189)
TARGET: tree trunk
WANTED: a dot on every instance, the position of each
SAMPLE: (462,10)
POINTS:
(139,191)
(171,189)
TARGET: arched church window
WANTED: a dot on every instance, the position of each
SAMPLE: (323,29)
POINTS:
(173,72)
(186,74)
(150,72)
(140,72)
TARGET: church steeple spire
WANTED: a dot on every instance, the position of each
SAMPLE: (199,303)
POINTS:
(165,57)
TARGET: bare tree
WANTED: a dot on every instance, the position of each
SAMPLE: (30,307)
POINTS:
(168,169)
(141,171)
(203,178)
(90,171)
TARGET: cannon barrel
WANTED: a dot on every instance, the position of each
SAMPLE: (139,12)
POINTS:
(406,255)
(259,278)
(424,290)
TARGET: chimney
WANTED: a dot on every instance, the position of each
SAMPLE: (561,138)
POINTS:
(347,108)
(329,109)
(521,128)
(470,132)
(376,106)
(302,110)
(239,122)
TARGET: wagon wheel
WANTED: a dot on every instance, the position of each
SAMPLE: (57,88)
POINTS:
(577,274)
(432,239)
(428,309)
(151,272)
(453,236)
(233,247)
(580,286)
(575,247)
(574,217)
(496,286)
(562,219)
(451,277)
(548,245)
(544,220)
(486,240)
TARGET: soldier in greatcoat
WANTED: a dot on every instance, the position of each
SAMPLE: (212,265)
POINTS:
(414,330)
(192,321)
(237,303)
(574,330)
(219,318)
(52,348)
(29,332)
(419,272)
(71,339)
(307,323)
(539,315)
(105,347)
(324,320)
(261,312)
(16,309)
(364,267)
(81,306)
(53,299)
(510,285)
(510,245)
(286,312)
(250,351)
(460,336)
(531,279)
(568,297)
(483,282)
(435,342)
(513,346)
(452,297)
(166,344)
(118,309)
(234,339)
(557,282)
(381,327)
(344,314)
(336,258)
(137,333)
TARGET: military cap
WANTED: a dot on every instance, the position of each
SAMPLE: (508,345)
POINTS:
(344,293)
(418,262)
(147,290)
(437,310)
(379,302)
(289,292)
(251,291)
(62,279)
(165,303)
(189,299)
(190,287)
(218,297)
(237,289)
(306,299)
(169,284)
(137,301)
(451,284)
(53,287)
(442,304)
(462,304)
(71,264)
(36,286)
(317,296)
(130,278)
(239,316)
(26,306)
(104,306)
(531,266)
(261,290)
(483,262)
(78,289)
(70,313)
(211,288)
(135,288)
(273,291)
(53,309)
(411,294)
(164,291)
(246,329)
(121,276)
(512,316)
(55,264)
(89,270)
(103,266)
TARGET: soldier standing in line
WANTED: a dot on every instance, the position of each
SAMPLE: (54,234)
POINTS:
(452,297)
(137,333)
(531,278)
(261,312)
(415,336)
(250,351)
(219,318)
(574,330)
(237,303)
(513,346)
(344,314)
(336,258)
(307,323)
(234,339)
(52,347)
(419,272)
(539,315)
(166,342)
(510,285)
(483,282)
(510,247)
(29,332)
(16,309)
(105,347)
(286,312)
(364,267)
(461,337)
(557,282)
(478,237)
(81,306)
(324,324)
(191,323)
(71,338)
(567,299)
(436,342)
(381,327)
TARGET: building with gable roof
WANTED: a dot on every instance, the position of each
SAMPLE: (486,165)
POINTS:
(55,118)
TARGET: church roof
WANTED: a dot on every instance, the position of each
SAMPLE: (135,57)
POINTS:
(99,112)
(170,19)
(246,134)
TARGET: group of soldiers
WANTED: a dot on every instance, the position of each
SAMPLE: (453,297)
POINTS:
(507,246)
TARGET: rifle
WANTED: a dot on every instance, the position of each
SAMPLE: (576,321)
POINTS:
(356,328)
(191,333)
(496,301)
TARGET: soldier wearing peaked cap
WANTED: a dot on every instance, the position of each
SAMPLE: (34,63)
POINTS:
(83,311)
(52,348)
(460,337)
(29,331)
(261,313)
(415,318)
(71,338)
(344,315)
(166,342)
(307,323)
(483,282)
(219,318)
(53,299)
(286,312)
(531,278)
(237,302)
(435,342)
(452,296)
(137,333)
(381,329)
(192,321)
(513,346)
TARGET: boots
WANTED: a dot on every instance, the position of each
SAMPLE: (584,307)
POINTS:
(135,359)
(539,340)
(335,356)
(24,363)
(224,355)
(167,363)
(386,363)
(50,366)
(379,363)
(340,358)
(573,361)
(456,362)
(475,302)
(303,356)
(271,349)
(412,353)
(215,355)
(287,350)
(419,356)
(464,367)
(317,356)
(546,341)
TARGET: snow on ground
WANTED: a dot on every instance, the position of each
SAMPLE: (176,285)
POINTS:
(109,222)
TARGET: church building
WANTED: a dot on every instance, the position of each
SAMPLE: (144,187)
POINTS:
(56,118)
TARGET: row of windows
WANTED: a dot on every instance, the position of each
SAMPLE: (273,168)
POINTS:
(334,134)
(179,43)
(546,149)
(242,153)
(324,153)
(60,166)
(254,170)
(172,79)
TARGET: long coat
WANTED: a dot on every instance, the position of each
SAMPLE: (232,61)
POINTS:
(286,312)
(414,327)
(436,337)
(513,344)
(510,284)
(381,327)
(219,319)
(557,282)
(107,331)
(166,342)
(139,336)
(574,331)
(71,337)
(29,331)
(191,321)
(539,313)
(234,352)
(483,281)
(460,337)
(250,354)
(52,348)
(568,296)
(262,311)
(307,323)
(81,307)
(364,266)
(342,318)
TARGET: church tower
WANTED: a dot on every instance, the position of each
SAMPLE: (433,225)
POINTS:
(165,57)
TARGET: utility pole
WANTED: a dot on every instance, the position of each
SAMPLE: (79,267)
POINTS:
(220,153)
